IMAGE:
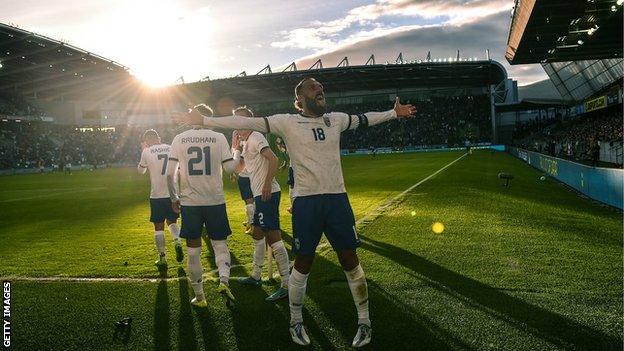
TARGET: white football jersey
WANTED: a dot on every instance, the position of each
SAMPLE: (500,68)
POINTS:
(256,164)
(201,153)
(155,159)
(314,148)
(313,144)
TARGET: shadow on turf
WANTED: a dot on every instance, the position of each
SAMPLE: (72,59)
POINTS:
(161,318)
(395,326)
(187,339)
(540,322)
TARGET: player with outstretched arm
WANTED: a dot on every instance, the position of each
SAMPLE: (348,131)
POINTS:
(201,155)
(320,201)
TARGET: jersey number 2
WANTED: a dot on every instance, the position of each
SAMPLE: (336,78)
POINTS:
(200,154)
(319,134)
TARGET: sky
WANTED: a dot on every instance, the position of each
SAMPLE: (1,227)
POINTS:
(163,40)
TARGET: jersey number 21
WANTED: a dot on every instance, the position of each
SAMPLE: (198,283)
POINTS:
(200,154)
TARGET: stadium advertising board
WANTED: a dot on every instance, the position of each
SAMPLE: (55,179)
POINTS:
(601,184)
(596,104)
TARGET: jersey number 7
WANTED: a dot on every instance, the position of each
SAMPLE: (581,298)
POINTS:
(200,154)
(166,158)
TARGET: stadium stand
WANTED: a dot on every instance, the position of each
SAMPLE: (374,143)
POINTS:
(579,45)
(580,139)
(59,103)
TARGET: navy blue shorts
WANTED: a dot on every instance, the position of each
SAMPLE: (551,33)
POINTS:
(244,185)
(161,209)
(214,218)
(326,213)
(267,212)
(291,177)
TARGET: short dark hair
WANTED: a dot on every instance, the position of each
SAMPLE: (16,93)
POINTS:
(150,133)
(244,109)
(204,109)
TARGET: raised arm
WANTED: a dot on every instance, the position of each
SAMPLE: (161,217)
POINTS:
(193,117)
(373,118)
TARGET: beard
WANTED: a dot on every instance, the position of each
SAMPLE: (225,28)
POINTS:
(314,107)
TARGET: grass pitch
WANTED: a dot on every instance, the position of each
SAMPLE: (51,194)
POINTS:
(532,266)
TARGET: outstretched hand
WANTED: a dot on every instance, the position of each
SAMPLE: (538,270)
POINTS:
(403,110)
(192,117)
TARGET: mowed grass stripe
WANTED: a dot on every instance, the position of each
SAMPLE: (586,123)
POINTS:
(106,233)
(518,268)
(359,223)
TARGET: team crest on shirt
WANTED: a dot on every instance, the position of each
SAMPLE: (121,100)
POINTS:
(327,121)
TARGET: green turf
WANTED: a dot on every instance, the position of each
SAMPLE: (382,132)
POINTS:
(532,266)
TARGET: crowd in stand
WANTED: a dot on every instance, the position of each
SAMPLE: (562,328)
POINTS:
(439,121)
(447,121)
(579,138)
(15,105)
(35,144)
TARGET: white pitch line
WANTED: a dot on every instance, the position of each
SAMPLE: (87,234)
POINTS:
(375,213)
(379,210)
(53,194)
(209,275)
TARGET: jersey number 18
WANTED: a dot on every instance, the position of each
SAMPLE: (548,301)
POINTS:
(319,134)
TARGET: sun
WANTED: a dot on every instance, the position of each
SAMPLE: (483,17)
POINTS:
(161,41)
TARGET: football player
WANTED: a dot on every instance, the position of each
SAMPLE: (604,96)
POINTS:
(320,201)
(202,154)
(155,158)
(262,165)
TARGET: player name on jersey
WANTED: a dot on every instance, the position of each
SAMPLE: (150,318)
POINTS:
(159,149)
(187,140)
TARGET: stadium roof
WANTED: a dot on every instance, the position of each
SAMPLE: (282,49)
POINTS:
(577,80)
(564,30)
(371,77)
(35,65)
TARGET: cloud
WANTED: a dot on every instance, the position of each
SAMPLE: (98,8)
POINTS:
(369,20)
(442,40)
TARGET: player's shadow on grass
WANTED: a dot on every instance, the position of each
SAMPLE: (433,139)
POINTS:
(161,317)
(394,325)
(548,325)
(187,339)
(258,324)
